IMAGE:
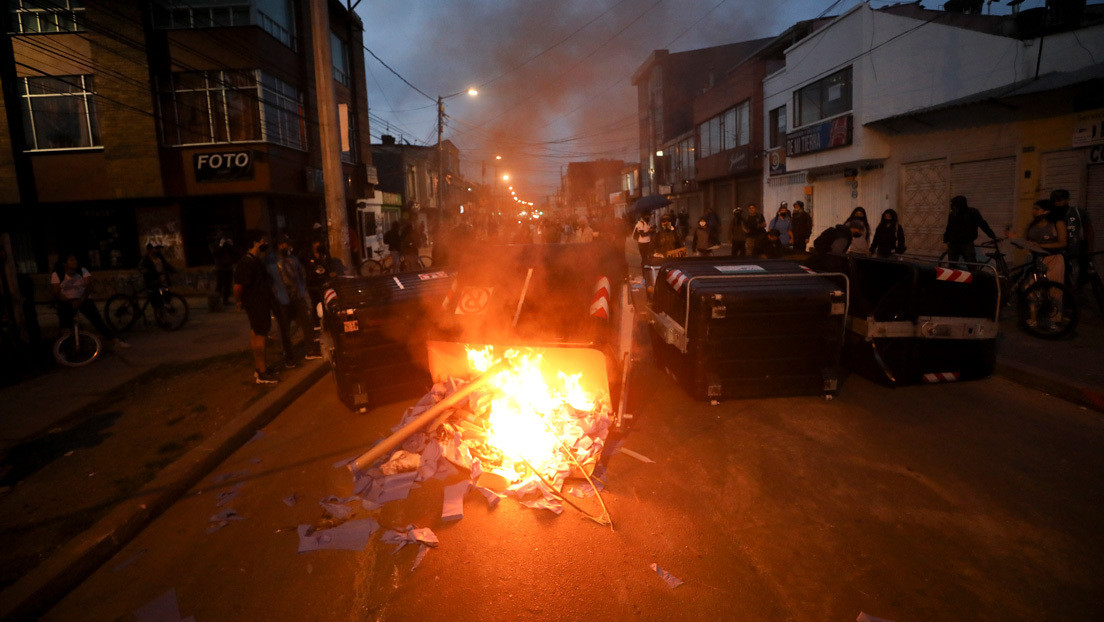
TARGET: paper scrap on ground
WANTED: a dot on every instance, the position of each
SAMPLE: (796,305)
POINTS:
(543,503)
(228,495)
(164,608)
(350,536)
(395,487)
(336,507)
(409,535)
(866,617)
(671,580)
(223,518)
(422,550)
(453,506)
(633,454)
(291,499)
(128,561)
(492,497)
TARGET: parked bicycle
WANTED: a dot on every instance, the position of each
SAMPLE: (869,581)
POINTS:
(75,347)
(386,265)
(1047,309)
(121,311)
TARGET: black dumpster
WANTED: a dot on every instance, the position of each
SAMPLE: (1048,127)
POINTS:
(378,327)
(748,328)
(913,322)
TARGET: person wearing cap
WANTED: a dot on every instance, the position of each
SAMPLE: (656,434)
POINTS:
(963,223)
(155,273)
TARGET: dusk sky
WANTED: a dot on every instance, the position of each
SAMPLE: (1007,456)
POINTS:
(554,76)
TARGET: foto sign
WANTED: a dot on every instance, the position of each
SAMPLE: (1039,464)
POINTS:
(223,166)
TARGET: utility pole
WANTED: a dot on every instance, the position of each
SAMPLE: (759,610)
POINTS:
(333,180)
(440,167)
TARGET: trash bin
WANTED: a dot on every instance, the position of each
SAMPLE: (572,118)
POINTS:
(748,328)
(378,326)
(913,322)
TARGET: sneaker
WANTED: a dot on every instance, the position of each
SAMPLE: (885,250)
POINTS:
(289,364)
(265,377)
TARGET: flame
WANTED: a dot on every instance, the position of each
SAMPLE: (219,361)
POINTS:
(526,408)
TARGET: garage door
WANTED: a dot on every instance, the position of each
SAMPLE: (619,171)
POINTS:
(1063,169)
(990,186)
(1094,200)
(923,205)
(831,202)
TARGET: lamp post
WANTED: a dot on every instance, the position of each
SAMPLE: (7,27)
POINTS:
(440,130)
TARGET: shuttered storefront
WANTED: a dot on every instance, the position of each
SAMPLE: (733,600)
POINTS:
(923,205)
(1094,199)
(1063,169)
(990,186)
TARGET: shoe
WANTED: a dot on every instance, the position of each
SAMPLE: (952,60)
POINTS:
(289,364)
(119,343)
(313,355)
(265,377)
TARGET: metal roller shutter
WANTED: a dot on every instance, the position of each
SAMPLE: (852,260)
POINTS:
(1063,169)
(1094,199)
(990,186)
(923,206)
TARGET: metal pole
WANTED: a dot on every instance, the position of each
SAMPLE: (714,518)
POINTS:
(440,176)
(333,178)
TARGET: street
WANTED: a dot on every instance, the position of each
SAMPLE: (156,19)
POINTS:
(972,501)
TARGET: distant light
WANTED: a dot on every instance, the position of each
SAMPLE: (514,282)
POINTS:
(537,216)
(498,157)
(506,178)
(461,209)
(659,152)
(469,189)
(472,91)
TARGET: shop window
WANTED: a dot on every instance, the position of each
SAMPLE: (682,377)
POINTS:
(825,98)
(59,112)
(777,127)
(45,16)
(339,51)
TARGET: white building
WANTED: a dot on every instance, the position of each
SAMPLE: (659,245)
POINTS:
(903,108)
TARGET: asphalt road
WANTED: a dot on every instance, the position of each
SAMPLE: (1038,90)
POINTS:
(976,501)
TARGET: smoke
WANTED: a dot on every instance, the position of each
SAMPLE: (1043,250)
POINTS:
(573,102)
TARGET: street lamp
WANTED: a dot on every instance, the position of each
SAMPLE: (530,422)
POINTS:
(440,130)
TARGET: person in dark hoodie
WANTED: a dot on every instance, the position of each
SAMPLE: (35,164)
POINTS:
(889,237)
(963,223)
(701,245)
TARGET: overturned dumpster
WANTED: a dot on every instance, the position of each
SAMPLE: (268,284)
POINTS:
(748,328)
(914,322)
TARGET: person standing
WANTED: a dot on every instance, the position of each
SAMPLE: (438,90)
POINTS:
(225,258)
(701,245)
(737,233)
(1080,234)
(294,278)
(666,239)
(393,240)
(1048,230)
(781,223)
(683,225)
(642,233)
(71,284)
(754,228)
(859,213)
(409,240)
(801,227)
(155,271)
(713,223)
(859,232)
(253,292)
(889,237)
(319,268)
(963,223)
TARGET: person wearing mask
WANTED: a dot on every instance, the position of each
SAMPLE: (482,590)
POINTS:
(754,228)
(642,233)
(782,224)
(801,227)
(963,223)
(737,233)
(666,239)
(859,213)
(859,244)
(155,271)
(1080,233)
(225,258)
(320,269)
(71,284)
(889,237)
(701,244)
(253,291)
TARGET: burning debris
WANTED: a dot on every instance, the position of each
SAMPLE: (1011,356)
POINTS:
(521,427)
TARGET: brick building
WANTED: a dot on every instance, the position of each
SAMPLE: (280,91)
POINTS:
(130,121)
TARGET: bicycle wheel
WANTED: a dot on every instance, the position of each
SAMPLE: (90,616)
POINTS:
(425,261)
(173,313)
(121,312)
(1048,310)
(76,349)
(371,267)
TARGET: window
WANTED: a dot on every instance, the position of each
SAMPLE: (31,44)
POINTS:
(743,125)
(685,160)
(33,16)
(728,121)
(777,127)
(340,53)
(728,130)
(274,16)
(347,131)
(60,113)
(232,106)
(827,97)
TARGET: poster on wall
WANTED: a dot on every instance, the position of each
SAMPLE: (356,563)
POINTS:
(1089,130)
(161,226)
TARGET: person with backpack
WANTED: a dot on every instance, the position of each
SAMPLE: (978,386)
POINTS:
(782,224)
(1080,233)
(889,237)
(963,223)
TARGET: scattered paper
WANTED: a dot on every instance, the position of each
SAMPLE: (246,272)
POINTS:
(229,495)
(409,535)
(671,580)
(422,550)
(492,497)
(164,608)
(350,536)
(395,487)
(453,506)
(544,503)
(291,499)
(222,519)
(336,507)
(866,617)
(633,454)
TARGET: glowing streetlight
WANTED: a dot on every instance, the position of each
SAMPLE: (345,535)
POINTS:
(505,178)
(473,91)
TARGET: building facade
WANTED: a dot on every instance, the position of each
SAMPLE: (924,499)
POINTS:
(127,122)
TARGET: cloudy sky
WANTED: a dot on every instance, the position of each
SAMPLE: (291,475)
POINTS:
(553,75)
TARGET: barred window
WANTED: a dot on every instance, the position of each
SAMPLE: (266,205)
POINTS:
(59,112)
(283,113)
(35,16)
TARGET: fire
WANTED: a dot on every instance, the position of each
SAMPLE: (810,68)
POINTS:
(529,416)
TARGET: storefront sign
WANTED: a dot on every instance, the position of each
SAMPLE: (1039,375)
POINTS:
(776,159)
(1096,155)
(826,135)
(1089,131)
(226,166)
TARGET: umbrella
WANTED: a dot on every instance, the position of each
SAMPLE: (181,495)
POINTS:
(650,203)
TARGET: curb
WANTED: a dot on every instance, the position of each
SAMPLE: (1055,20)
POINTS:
(55,577)
(1077,393)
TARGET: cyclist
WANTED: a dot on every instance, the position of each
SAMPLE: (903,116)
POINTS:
(155,273)
(71,285)
(963,223)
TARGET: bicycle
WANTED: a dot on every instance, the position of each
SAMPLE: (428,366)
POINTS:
(386,265)
(1091,277)
(121,311)
(75,348)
